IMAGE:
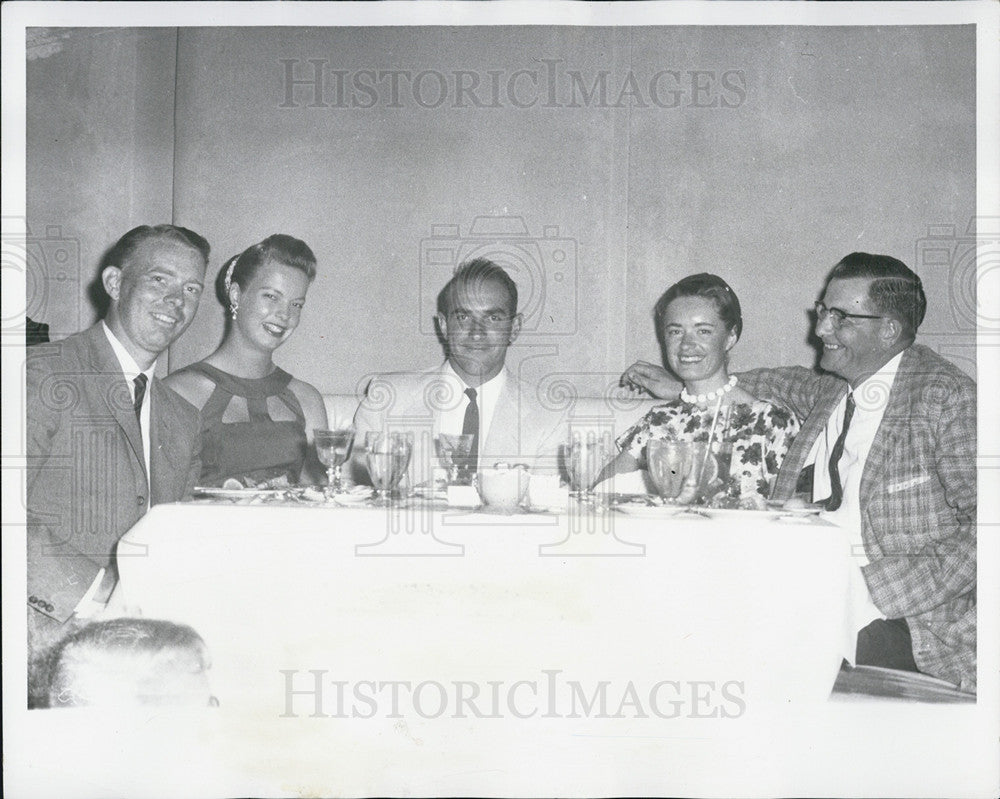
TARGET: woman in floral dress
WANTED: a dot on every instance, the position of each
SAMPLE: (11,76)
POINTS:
(699,320)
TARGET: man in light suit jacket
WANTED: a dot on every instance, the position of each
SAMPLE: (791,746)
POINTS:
(105,439)
(897,471)
(472,391)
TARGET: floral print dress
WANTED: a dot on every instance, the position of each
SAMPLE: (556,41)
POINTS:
(760,434)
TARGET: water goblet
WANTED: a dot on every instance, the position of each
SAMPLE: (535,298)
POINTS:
(388,457)
(453,451)
(333,448)
(589,450)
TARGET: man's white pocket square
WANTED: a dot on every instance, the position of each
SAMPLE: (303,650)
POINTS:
(913,481)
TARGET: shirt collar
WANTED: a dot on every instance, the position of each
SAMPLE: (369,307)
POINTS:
(880,381)
(490,388)
(129,367)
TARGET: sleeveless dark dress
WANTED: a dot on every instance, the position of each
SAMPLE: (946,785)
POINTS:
(258,448)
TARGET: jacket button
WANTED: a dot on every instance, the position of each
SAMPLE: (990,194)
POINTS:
(49,607)
(140,500)
(33,600)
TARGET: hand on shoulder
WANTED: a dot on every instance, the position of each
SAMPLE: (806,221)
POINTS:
(648,377)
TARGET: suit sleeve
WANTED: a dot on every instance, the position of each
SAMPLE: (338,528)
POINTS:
(794,387)
(909,583)
(55,584)
(41,425)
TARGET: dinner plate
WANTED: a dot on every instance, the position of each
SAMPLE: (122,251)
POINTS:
(241,493)
(657,511)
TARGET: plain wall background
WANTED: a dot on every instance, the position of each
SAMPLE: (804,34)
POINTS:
(837,139)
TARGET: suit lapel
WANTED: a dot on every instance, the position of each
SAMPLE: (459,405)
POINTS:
(502,439)
(890,429)
(116,392)
(811,429)
(162,457)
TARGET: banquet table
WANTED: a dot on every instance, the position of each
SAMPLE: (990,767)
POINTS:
(699,612)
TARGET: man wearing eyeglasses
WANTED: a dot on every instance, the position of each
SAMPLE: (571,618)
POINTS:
(473,392)
(888,445)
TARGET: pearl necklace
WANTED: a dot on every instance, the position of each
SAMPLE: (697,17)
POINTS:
(711,395)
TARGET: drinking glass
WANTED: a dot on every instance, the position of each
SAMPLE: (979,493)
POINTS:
(333,448)
(453,451)
(589,451)
(669,462)
(388,458)
(687,472)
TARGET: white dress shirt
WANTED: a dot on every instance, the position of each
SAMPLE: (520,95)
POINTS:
(452,419)
(131,371)
(870,399)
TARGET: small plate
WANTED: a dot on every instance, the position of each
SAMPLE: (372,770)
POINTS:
(807,510)
(352,498)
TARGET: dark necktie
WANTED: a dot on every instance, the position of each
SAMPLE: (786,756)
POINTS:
(471,426)
(140,392)
(836,489)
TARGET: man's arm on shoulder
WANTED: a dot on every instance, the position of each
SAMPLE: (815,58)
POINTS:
(909,583)
(795,387)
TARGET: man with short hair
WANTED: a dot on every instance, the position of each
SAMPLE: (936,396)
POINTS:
(888,444)
(472,391)
(124,663)
(105,439)
(889,441)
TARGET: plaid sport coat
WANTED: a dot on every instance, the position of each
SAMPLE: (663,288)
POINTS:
(918,497)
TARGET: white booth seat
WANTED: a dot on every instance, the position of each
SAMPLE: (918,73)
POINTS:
(340,408)
(615,412)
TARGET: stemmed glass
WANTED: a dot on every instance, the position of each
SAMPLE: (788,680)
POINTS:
(333,448)
(388,458)
(453,451)
(589,451)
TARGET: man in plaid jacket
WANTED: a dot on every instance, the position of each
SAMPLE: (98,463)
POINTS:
(901,479)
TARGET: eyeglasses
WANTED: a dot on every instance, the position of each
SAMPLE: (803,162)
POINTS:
(837,316)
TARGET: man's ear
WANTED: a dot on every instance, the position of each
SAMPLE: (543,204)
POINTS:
(515,327)
(442,323)
(892,331)
(111,278)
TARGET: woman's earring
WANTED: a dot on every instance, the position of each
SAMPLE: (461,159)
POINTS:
(232,310)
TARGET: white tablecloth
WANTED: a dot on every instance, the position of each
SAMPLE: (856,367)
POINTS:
(421,595)
(367,652)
